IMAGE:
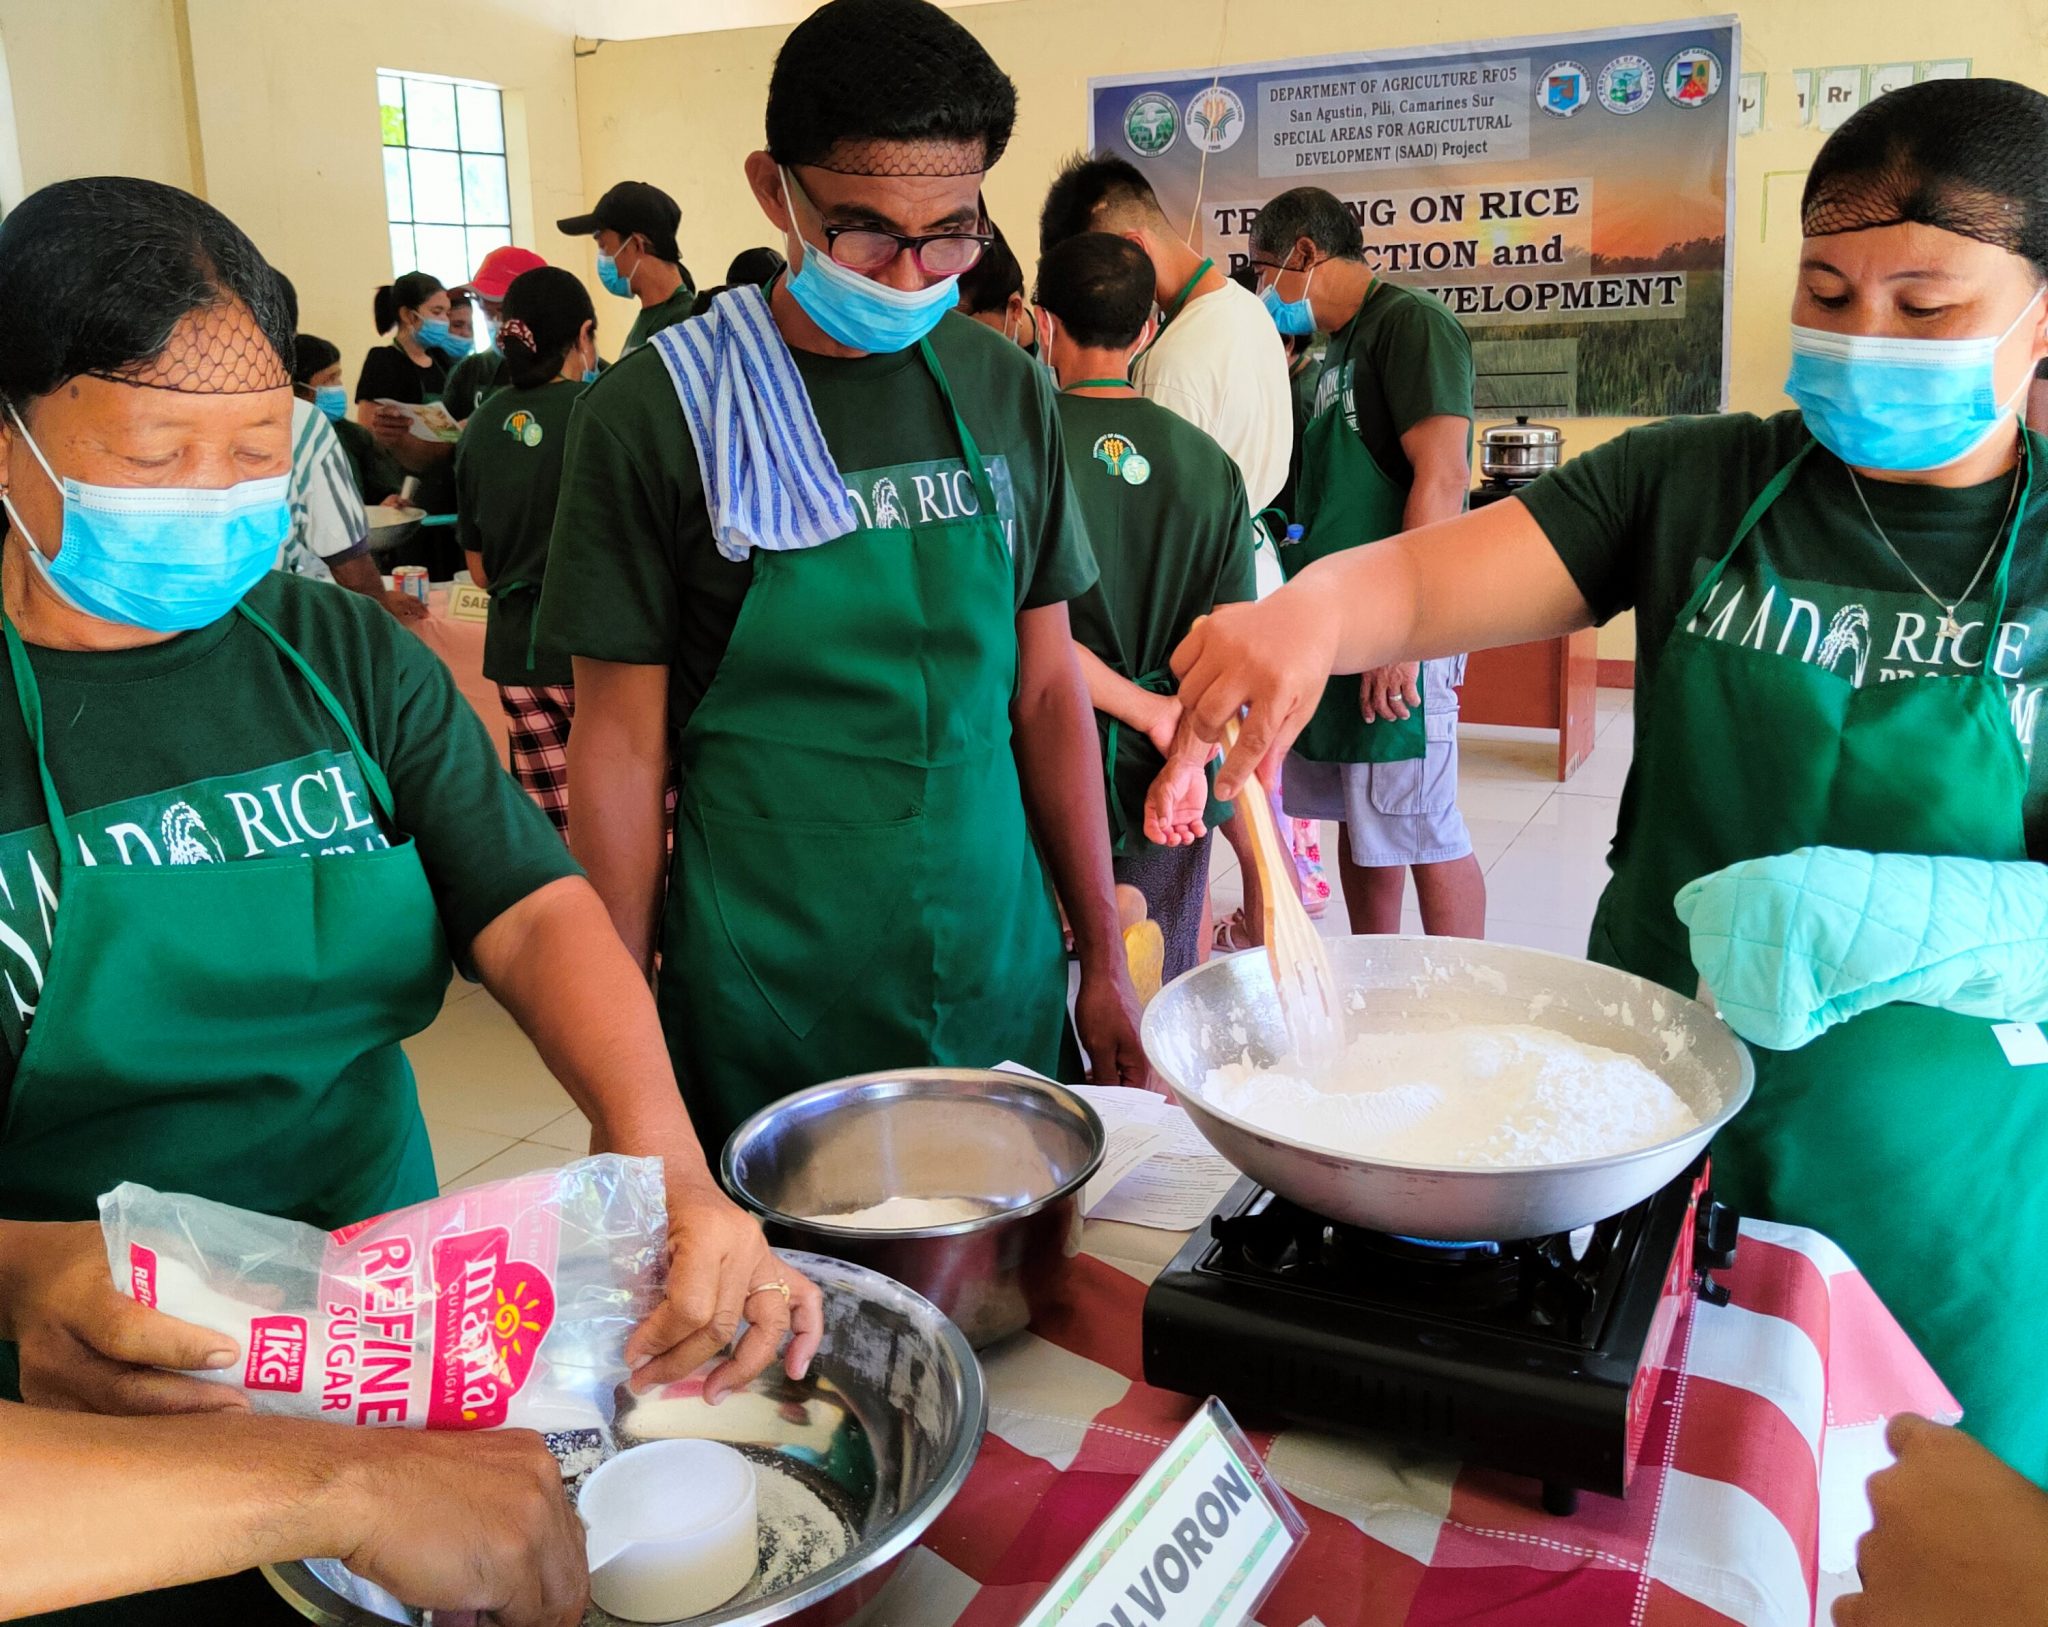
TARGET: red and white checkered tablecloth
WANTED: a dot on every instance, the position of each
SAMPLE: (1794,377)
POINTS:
(1746,1506)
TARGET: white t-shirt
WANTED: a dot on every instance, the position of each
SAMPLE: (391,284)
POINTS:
(327,510)
(1220,365)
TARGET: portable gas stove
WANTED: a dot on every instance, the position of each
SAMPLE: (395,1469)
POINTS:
(1537,1357)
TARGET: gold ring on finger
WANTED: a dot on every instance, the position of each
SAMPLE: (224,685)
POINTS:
(781,1288)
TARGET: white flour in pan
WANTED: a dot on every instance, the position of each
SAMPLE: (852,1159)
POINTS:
(909,1214)
(1487,1096)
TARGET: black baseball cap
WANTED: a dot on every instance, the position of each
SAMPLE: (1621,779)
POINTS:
(632,208)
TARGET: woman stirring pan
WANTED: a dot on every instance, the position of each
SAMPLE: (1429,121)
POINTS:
(1839,648)
(245,823)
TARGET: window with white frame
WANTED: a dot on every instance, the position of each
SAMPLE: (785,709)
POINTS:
(446,191)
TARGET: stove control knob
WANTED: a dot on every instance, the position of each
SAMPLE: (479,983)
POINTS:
(1718,1231)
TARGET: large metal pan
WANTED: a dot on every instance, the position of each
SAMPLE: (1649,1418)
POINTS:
(1226,1011)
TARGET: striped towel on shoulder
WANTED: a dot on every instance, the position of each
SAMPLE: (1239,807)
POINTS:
(769,479)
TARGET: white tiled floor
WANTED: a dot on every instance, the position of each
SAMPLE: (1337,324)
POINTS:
(494,1111)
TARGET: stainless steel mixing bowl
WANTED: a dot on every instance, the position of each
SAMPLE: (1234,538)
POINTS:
(1024,1147)
(1226,1010)
(878,1438)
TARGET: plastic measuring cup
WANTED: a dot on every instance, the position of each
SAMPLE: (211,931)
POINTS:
(672,1529)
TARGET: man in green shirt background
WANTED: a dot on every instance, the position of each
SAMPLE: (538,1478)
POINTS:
(1167,518)
(849,628)
(1387,450)
(634,225)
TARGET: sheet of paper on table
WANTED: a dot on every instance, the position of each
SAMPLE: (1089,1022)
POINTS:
(1157,1169)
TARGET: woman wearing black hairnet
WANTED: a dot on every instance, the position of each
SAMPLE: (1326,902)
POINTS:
(1832,819)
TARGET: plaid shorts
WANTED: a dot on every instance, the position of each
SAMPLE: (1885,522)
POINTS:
(539,728)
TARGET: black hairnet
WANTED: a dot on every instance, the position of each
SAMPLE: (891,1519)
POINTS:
(1968,156)
(887,87)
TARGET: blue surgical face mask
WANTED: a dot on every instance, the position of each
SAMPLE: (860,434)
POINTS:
(1906,405)
(1295,318)
(434,335)
(163,558)
(331,399)
(615,281)
(857,311)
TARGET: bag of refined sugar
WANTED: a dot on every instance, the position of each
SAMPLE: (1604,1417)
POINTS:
(505,1305)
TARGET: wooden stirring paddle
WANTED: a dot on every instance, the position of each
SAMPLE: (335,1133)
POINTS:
(1309,1004)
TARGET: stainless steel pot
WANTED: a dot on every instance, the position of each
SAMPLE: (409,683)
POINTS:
(1520,451)
(1022,1146)
(882,1433)
(1226,1010)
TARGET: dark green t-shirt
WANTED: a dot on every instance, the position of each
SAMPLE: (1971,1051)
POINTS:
(1167,519)
(653,318)
(473,378)
(508,474)
(213,747)
(377,473)
(1639,521)
(633,575)
(1401,359)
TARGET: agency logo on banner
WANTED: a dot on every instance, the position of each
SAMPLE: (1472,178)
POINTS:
(1564,90)
(1151,124)
(1216,119)
(1692,78)
(1628,84)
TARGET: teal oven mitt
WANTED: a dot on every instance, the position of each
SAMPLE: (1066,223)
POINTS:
(1794,944)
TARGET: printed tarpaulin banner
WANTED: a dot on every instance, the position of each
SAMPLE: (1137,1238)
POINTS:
(1569,196)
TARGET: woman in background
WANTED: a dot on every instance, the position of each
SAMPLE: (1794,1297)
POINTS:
(413,369)
(508,472)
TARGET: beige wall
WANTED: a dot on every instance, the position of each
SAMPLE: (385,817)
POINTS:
(269,109)
(656,108)
(98,89)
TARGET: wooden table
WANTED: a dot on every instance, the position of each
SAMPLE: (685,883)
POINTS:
(1550,684)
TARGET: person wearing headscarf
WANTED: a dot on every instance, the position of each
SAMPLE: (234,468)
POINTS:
(1837,812)
(818,545)
(508,474)
(248,827)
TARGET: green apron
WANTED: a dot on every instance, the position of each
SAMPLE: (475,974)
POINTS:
(1904,1135)
(855,885)
(229,1030)
(1346,501)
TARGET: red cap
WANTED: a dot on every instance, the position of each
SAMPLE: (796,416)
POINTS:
(500,267)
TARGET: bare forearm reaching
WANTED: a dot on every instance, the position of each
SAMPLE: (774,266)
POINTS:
(94,1508)
(1477,582)
(1060,767)
(555,963)
(618,776)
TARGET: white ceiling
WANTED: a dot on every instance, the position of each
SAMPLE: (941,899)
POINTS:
(644,19)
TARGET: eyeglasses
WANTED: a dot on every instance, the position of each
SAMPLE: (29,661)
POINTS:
(869,248)
(943,254)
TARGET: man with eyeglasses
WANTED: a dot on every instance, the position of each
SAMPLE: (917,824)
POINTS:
(818,544)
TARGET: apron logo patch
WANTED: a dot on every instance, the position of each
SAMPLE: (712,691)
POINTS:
(523,427)
(186,840)
(888,505)
(1123,460)
(1848,634)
